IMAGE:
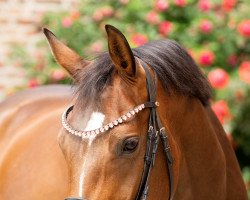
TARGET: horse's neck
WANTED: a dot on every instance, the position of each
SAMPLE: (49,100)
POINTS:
(199,149)
(235,185)
(201,152)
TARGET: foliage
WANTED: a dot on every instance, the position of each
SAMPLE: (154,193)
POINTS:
(241,129)
(246,177)
(216,33)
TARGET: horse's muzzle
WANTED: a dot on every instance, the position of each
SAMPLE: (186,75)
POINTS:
(72,198)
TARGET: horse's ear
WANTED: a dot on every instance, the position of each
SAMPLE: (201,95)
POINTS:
(65,56)
(120,51)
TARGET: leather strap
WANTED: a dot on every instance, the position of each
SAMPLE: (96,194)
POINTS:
(155,127)
(169,158)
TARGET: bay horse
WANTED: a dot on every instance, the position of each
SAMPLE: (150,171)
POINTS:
(139,126)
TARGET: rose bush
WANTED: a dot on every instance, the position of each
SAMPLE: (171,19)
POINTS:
(216,33)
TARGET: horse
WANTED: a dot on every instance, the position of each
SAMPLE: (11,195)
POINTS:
(31,163)
(138,126)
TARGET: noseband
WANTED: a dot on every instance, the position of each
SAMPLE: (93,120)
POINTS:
(155,132)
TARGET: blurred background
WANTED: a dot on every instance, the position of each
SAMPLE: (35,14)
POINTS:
(216,33)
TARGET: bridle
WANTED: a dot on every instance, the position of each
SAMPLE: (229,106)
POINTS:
(155,132)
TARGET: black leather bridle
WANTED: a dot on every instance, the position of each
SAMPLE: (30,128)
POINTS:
(156,132)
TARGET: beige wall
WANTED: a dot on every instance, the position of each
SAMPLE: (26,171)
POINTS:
(20,23)
(20,20)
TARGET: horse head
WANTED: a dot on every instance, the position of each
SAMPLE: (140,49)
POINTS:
(107,140)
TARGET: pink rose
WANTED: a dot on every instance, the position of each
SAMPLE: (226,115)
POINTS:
(152,17)
(206,26)
(58,75)
(244,71)
(107,11)
(221,110)
(98,15)
(161,5)
(165,28)
(204,5)
(139,39)
(67,22)
(206,58)
(244,28)
(124,2)
(218,78)
(180,3)
(228,5)
(74,15)
(33,83)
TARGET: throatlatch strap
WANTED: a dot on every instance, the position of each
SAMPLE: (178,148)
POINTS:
(169,158)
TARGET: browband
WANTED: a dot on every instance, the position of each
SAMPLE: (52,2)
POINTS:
(119,120)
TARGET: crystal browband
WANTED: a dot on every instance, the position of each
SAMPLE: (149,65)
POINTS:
(120,120)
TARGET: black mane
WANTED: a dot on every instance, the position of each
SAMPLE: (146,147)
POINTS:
(173,65)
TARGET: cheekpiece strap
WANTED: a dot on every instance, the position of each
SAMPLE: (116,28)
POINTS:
(155,127)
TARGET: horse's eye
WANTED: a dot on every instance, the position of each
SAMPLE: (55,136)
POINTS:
(129,145)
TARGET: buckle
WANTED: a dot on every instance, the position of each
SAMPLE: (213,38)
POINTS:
(152,104)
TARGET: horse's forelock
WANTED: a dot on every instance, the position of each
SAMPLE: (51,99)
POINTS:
(173,65)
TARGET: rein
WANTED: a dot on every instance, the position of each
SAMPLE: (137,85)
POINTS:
(155,132)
